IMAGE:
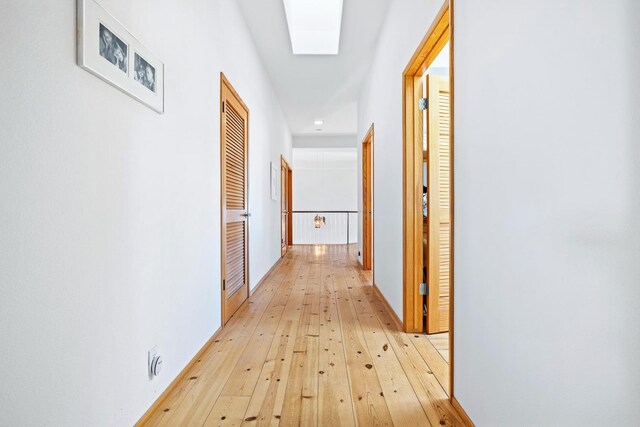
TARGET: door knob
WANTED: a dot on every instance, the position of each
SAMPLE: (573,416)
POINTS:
(246,214)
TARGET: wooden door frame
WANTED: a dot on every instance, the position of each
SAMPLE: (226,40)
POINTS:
(288,194)
(368,140)
(225,83)
(440,32)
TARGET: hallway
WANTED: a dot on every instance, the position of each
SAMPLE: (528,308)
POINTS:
(313,346)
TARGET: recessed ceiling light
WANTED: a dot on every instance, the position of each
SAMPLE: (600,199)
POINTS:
(314,26)
(318,122)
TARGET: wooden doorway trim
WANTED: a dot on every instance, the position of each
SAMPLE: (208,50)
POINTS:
(285,206)
(431,45)
(234,216)
(290,196)
(440,32)
(367,200)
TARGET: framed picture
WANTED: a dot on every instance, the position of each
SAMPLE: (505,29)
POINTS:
(108,50)
(274,181)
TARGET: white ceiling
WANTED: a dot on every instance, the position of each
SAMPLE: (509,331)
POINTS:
(312,87)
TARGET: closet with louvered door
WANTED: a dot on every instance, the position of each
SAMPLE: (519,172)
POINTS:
(234,143)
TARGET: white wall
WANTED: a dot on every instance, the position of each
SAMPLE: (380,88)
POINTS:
(547,203)
(547,212)
(110,216)
(324,141)
(324,179)
(381,103)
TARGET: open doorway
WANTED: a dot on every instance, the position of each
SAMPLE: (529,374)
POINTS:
(325,195)
(428,196)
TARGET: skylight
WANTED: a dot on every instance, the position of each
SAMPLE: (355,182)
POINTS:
(314,26)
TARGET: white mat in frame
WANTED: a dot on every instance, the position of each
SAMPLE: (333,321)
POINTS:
(108,50)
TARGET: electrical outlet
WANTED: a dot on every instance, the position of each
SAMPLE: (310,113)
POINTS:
(154,362)
(151,354)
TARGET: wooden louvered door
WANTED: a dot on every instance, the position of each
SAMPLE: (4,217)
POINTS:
(284,206)
(234,128)
(438,203)
(367,201)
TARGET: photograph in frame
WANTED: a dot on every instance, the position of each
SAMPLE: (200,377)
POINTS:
(113,49)
(145,73)
(108,50)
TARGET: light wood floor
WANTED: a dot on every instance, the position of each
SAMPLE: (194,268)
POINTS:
(441,343)
(313,347)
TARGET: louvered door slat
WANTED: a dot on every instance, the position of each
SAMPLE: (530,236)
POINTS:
(235,259)
(235,159)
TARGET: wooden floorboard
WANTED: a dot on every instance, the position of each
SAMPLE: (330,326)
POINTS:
(313,346)
(441,343)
